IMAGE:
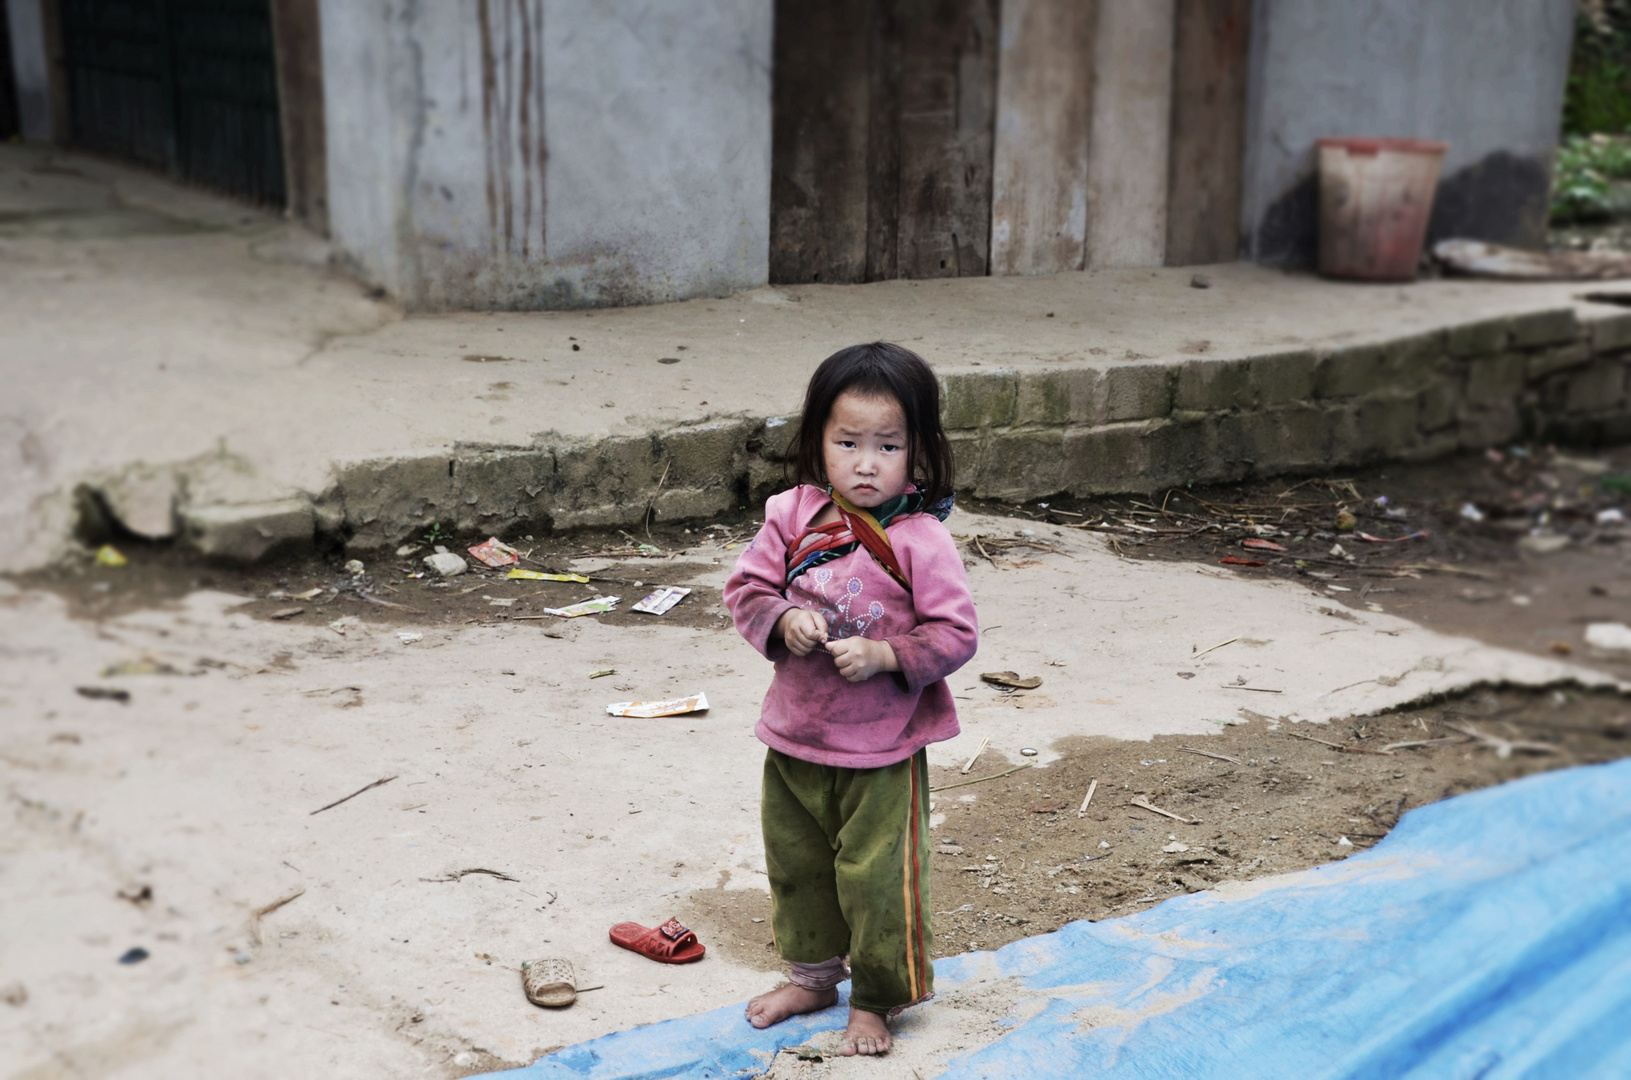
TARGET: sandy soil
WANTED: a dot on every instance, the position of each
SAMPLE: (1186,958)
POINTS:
(198,796)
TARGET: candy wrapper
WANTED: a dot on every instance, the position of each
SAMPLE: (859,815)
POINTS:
(646,710)
(659,602)
(598,606)
(496,553)
(539,575)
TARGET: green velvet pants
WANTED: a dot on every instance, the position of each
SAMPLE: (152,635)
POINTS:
(847,851)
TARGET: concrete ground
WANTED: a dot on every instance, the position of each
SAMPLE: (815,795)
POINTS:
(172,349)
(202,788)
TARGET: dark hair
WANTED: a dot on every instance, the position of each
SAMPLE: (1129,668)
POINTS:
(881,369)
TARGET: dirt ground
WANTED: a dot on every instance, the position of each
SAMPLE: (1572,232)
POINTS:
(1521,548)
(1015,853)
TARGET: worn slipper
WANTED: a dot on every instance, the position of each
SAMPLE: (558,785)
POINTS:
(669,943)
(550,983)
(1010,680)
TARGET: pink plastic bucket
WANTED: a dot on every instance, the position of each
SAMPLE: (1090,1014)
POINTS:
(1375,198)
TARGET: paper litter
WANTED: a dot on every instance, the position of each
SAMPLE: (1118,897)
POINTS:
(538,575)
(446,563)
(1609,636)
(646,710)
(496,553)
(598,606)
(659,602)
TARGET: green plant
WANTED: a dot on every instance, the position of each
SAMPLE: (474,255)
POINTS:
(1597,97)
(435,535)
(1581,180)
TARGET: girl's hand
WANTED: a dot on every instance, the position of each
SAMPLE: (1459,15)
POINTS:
(859,658)
(802,630)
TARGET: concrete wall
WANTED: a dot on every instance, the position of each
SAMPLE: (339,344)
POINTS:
(31,68)
(549,153)
(1485,76)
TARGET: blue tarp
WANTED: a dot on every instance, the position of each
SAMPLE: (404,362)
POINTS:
(1488,936)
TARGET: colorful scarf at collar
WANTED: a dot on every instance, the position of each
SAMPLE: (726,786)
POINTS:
(860,527)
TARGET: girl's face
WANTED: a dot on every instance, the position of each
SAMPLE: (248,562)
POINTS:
(864,448)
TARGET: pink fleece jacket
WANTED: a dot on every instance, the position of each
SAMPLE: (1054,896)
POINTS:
(812,712)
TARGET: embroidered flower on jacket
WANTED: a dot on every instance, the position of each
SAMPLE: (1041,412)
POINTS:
(842,621)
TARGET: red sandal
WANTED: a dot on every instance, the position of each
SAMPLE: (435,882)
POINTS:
(669,943)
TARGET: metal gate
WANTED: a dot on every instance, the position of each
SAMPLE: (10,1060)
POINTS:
(188,86)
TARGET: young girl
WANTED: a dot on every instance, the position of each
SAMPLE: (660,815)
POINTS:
(856,591)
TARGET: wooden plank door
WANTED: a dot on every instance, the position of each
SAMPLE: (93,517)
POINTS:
(1210,58)
(881,142)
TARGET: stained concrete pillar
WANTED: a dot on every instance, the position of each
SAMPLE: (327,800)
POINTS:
(549,153)
(1127,157)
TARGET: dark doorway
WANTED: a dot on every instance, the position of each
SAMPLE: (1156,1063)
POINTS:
(8,82)
(188,86)
(883,116)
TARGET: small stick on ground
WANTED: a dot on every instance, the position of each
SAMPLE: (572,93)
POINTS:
(385,603)
(1254,689)
(1219,645)
(983,779)
(1338,746)
(1422,742)
(354,794)
(1091,788)
(978,750)
(653,500)
(1504,747)
(1142,804)
(1208,753)
(457,874)
(261,912)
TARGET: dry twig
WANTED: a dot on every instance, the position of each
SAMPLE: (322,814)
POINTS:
(354,794)
(1219,645)
(1422,742)
(457,874)
(1091,788)
(1339,746)
(261,912)
(1504,747)
(978,750)
(983,779)
(1143,804)
(1208,753)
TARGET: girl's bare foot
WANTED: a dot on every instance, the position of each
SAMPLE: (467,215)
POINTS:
(866,1034)
(789,1000)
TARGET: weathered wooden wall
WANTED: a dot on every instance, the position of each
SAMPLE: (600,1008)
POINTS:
(819,124)
(943,138)
(882,141)
(1209,68)
(1127,150)
(1044,113)
(948,99)
(297,36)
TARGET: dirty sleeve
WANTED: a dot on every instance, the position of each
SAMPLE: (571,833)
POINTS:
(947,631)
(756,592)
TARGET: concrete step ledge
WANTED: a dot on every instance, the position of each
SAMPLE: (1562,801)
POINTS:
(1554,374)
